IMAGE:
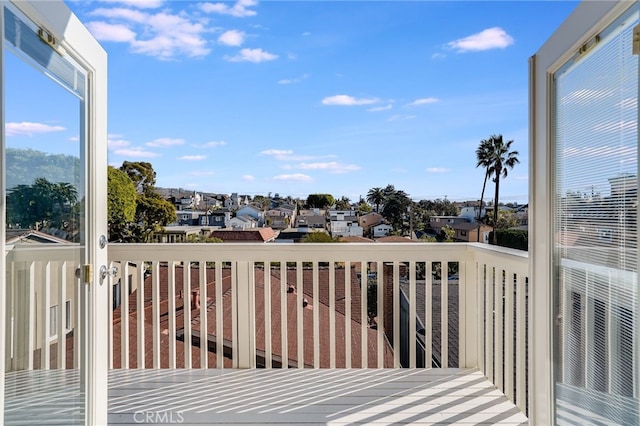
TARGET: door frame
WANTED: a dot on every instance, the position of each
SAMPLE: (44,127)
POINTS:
(74,37)
(586,21)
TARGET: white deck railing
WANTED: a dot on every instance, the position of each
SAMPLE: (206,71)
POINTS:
(172,293)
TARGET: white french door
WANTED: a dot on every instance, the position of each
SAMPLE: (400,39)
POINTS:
(584,193)
(53,301)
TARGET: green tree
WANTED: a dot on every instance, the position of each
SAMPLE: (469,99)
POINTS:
(321,201)
(447,233)
(202,239)
(43,204)
(152,211)
(483,156)
(497,158)
(319,237)
(121,204)
(395,209)
(344,203)
(364,208)
(376,196)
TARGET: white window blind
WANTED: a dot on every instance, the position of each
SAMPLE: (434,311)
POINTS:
(595,229)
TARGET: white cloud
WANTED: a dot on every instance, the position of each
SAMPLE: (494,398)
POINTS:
(423,101)
(491,38)
(202,173)
(141,4)
(331,166)
(438,170)
(252,55)
(380,108)
(296,177)
(164,142)
(348,100)
(306,33)
(135,152)
(28,128)
(248,178)
(213,144)
(161,35)
(74,138)
(239,10)
(232,38)
(104,31)
(401,117)
(438,56)
(117,143)
(277,152)
(193,157)
(293,80)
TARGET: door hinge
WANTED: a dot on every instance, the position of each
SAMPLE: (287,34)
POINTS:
(85,273)
(636,40)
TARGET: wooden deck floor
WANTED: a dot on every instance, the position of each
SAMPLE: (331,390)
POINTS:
(323,397)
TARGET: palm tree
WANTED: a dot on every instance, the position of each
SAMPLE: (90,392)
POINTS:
(376,196)
(495,156)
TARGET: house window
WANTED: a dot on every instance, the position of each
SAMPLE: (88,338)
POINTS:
(463,233)
(53,321)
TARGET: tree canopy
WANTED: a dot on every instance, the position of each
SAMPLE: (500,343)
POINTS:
(152,212)
(321,201)
(121,202)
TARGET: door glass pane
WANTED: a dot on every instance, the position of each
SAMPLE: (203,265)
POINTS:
(44,178)
(595,227)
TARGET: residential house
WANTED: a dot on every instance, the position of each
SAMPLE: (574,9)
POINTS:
(367,221)
(241,222)
(178,233)
(188,218)
(253,212)
(215,218)
(281,217)
(344,223)
(382,230)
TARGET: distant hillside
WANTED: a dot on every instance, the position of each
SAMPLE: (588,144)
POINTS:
(25,165)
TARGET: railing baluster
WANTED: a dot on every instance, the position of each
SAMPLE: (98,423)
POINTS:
(428,314)
(155,312)
(204,329)
(110,309)
(413,300)
(186,310)
(498,326)
(234,313)
(332,315)
(347,310)
(78,325)
(284,307)
(509,337)
(380,279)
(300,314)
(489,323)
(45,302)
(481,309)
(465,307)
(364,288)
(62,324)
(267,315)
(171,294)
(396,314)
(521,364)
(140,315)
(124,315)
(219,320)
(316,317)
(444,311)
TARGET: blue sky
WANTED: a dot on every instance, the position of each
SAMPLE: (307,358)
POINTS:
(298,97)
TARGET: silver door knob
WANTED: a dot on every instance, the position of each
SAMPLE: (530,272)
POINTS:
(104,272)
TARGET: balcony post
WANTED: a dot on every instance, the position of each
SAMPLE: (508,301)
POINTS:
(468,275)
(245,338)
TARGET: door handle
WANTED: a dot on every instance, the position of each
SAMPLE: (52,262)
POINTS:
(104,272)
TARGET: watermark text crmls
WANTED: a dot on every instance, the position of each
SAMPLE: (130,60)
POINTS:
(165,417)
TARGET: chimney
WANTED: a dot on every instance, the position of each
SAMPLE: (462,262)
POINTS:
(195,299)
